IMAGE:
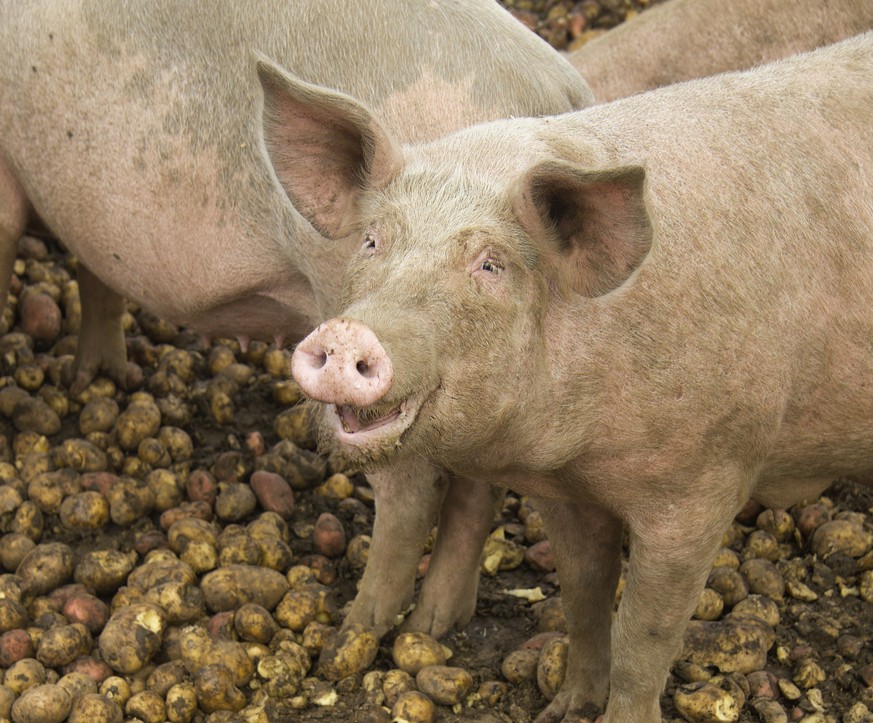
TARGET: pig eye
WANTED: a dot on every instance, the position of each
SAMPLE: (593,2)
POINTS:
(491,266)
(369,243)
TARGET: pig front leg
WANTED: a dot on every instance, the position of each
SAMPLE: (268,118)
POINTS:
(586,541)
(448,594)
(101,338)
(408,499)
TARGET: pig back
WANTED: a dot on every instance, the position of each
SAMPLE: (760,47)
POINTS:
(134,129)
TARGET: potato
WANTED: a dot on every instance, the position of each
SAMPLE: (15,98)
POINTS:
(444,684)
(62,644)
(95,708)
(10,396)
(282,674)
(160,567)
(295,425)
(94,668)
(129,501)
(56,398)
(42,704)
(77,684)
(414,707)
(216,690)
(13,548)
(201,555)
(132,637)
(180,601)
(315,636)
(358,551)
(29,377)
(80,455)
(552,666)
(254,623)
(230,587)
(273,493)
(329,536)
(336,487)
(14,646)
(301,606)
(116,689)
(35,415)
(98,415)
(28,521)
(7,698)
(49,489)
(235,501)
(275,554)
(146,706)
(181,703)
(351,651)
(13,615)
(730,584)
(238,549)
(10,499)
(199,648)
(141,419)
(84,512)
(46,567)
(182,532)
(414,651)
(104,571)
(177,442)
(24,674)
(710,605)
(166,488)
(40,318)
(202,487)
(198,509)
(520,665)
(88,610)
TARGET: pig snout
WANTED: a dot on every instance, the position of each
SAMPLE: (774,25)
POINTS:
(342,362)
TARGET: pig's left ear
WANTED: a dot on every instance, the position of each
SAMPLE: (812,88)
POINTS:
(325,148)
(597,219)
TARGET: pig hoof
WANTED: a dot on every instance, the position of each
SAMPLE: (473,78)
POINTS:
(563,710)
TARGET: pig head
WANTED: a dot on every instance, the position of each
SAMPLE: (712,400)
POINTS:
(642,314)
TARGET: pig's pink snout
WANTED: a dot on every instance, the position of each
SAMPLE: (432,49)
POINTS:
(342,362)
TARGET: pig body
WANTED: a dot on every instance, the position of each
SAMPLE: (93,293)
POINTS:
(685,39)
(133,130)
(643,314)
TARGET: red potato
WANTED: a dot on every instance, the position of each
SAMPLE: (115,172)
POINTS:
(40,318)
(273,492)
(88,610)
(329,536)
(15,645)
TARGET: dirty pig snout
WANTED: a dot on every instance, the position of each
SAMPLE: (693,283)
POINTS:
(342,362)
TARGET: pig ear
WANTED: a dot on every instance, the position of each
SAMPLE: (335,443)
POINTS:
(597,219)
(325,148)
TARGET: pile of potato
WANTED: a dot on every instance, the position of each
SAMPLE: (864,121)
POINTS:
(177,551)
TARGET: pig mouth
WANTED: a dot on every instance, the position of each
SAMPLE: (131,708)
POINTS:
(365,426)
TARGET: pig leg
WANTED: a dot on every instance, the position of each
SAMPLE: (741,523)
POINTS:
(586,542)
(101,338)
(13,220)
(448,595)
(672,545)
(408,499)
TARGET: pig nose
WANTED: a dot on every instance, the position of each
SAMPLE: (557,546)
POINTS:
(342,362)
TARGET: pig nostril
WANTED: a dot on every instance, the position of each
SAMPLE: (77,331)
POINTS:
(363,368)
(318,360)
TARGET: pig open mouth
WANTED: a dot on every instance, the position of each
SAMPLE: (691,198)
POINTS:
(369,426)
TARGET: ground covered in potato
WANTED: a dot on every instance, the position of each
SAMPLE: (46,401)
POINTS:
(179,552)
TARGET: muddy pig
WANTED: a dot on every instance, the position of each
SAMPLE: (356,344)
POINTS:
(642,314)
(684,39)
(133,129)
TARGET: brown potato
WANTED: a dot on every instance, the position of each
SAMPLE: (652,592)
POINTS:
(84,512)
(46,567)
(98,415)
(95,708)
(104,571)
(49,489)
(13,547)
(329,536)
(28,521)
(77,684)
(15,645)
(24,674)
(414,707)
(42,704)
(552,666)
(273,493)
(129,501)
(444,684)
(352,650)
(7,698)
(13,615)
(40,318)
(180,601)
(254,623)
(35,415)
(146,706)
(181,703)
(216,690)
(235,501)
(230,587)
(80,455)
(132,637)
(141,419)
(414,651)
(62,644)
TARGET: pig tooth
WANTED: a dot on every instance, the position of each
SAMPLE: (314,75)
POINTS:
(243,343)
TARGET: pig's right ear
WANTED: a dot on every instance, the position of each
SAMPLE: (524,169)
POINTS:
(325,148)
(597,220)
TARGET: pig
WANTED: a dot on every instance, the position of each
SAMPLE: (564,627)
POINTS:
(685,39)
(641,314)
(133,131)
